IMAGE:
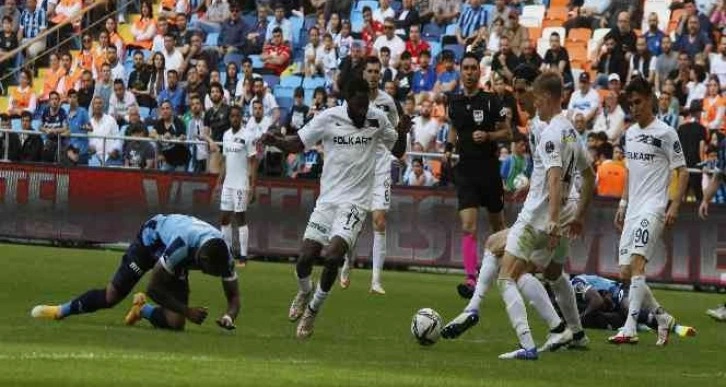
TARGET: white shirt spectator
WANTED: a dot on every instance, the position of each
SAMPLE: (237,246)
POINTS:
(718,67)
(396,45)
(380,15)
(286,27)
(426,179)
(106,126)
(583,103)
(610,123)
(195,129)
(425,131)
(173,60)
(117,72)
(269,104)
(119,108)
(328,61)
(208,100)
(695,91)
(597,6)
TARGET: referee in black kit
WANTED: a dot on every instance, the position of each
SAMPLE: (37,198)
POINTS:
(478,122)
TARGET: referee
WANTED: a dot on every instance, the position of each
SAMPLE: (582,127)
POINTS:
(478,122)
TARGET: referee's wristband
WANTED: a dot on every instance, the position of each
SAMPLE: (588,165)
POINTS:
(623,203)
(449,147)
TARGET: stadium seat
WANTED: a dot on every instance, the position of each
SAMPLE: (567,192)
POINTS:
(451,29)
(285,103)
(435,48)
(534,33)
(296,27)
(530,21)
(489,9)
(396,5)
(591,49)
(579,35)
(271,80)
(233,57)
(547,32)
(256,62)
(432,31)
(551,23)
(559,3)
(599,34)
(366,3)
(543,44)
(212,39)
(556,13)
(534,11)
(457,49)
(16,124)
(308,97)
(291,81)
(309,22)
(356,21)
(250,19)
(283,92)
(313,82)
(144,112)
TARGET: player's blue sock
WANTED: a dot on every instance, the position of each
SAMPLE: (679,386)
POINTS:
(147,310)
(88,302)
(157,318)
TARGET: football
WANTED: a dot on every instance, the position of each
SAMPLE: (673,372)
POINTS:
(521,181)
(426,326)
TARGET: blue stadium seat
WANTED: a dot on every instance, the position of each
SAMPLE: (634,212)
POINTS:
(489,9)
(271,80)
(451,29)
(366,3)
(309,22)
(297,24)
(234,57)
(284,114)
(285,103)
(283,92)
(432,30)
(144,112)
(457,49)
(313,82)
(356,21)
(256,62)
(435,48)
(212,39)
(291,81)
(250,20)
(16,124)
(308,97)
(396,5)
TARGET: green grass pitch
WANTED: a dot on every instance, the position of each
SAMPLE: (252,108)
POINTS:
(360,340)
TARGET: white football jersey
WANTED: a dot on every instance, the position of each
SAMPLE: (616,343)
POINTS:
(557,146)
(237,148)
(652,154)
(350,153)
(385,103)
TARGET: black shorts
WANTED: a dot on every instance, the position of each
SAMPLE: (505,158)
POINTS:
(137,260)
(480,191)
(179,289)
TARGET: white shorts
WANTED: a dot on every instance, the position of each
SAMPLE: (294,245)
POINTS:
(641,235)
(327,220)
(381,192)
(527,243)
(233,200)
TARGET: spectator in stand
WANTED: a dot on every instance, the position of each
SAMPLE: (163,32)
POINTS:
(173,93)
(22,98)
(63,11)
(418,176)
(372,29)
(424,79)
(351,66)
(117,68)
(529,58)
(215,77)
(694,39)
(501,11)
(697,85)
(232,36)
(441,12)
(693,137)
(404,77)
(134,118)
(415,45)
(71,77)
(580,125)
(448,80)
(170,8)
(203,67)
(665,112)
(557,58)
(505,60)
(33,21)
(269,104)
(714,106)
(256,34)
(231,78)
(517,164)
(144,29)
(282,23)
(299,114)
(341,7)
(692,10)
(611,118)
(425,128)
(407,17)
(172,156)
(10,9)
(105,126)
(183,35)
(611,174)
(194,120)
(139,81)
(53,76)
(99,52)
(585,101)
(517,34)
(311,51)
(194,86)
(114,38)
(258,124)
(216,14)
(506,100)
(470,21)
(78,123)
(344,40)
(276,55)
(610,60)
(244,95)
(384,11)
(653,36)
(623,35)
(104,87)
(334,24)
(86,89)
(615,86)
(666,62)
(327,59)
(479,45)
(32,148)
(173,58)
(718,62)
(85,57)
(388,72)
(120,102)
(390,40)
(138,154)
(54,124)
(217,118)
(157,76)
(642,63)
(493,43)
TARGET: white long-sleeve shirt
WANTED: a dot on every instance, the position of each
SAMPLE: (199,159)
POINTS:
(105,126)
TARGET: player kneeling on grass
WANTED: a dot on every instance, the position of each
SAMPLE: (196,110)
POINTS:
(169,246)
(350,134)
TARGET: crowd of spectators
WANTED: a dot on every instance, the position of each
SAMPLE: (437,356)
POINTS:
(169,70)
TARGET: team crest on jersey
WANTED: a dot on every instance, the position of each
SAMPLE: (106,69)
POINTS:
(677,147)
(549,147)
(650,140)
(503,112)
(478,116)
(569,136)
(644,223)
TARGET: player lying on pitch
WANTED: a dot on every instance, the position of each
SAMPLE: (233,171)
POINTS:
(169,246)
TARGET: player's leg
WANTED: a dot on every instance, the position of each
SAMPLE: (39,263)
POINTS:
(158,316)
(379,250)
(469,247)
(511,271)
(487,274)
(244,234)
(309,253)
(135,262)
(718,314)
(226,207)
(565,296)
(349,261)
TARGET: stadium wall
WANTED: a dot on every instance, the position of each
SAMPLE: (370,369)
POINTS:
(109,205)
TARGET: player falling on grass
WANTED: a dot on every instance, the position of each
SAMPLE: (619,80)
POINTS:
(350,135)
(381,184)
(653,151)
(478,122)
(541,222)
(551,261)
(237,179)
(169,246)
(718,313)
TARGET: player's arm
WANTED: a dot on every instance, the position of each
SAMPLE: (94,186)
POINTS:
(594,302)
(158,290)
(289,144)
(222,171)
(502,130)
(252,172)
(308,135)
(231,293)
(677,162)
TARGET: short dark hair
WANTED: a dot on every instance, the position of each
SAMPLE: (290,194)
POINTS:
(236,107)
(639,85)
(425,52)
(366,9)
(118,81)
(26,114)
(549,82)
(372,60)
(172,71)
(417,160)
(557,34)
(386,50)
(469,55)
(136,128)
(52,93)
(299,92)
(277,30)
(214,253)
(71,92)
(257,101)
(357,84)
(405,56)
(217,85)
(8,19)
(247,60)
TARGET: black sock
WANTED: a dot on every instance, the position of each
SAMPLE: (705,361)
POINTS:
(88,302)
(559,329)
(158,319)
(328,277)
(579,335)
(304,267)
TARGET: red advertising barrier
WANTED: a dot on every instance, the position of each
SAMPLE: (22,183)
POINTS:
(109,205)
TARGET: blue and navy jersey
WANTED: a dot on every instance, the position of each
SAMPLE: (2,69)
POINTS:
(175,239)
(584,282)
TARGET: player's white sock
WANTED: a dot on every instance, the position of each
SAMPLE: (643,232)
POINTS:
(244,234)
(487,273)
(565,296)
(227,234)
(638,291)
(379,255)
(649,301)
(535,293)
(318,299)
(305,284)
(517,312)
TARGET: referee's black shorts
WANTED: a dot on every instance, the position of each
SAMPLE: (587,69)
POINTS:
(475,190)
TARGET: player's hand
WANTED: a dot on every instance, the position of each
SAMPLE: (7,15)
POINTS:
(575,228)
(197,314)
(250,196)
(553,230)
(226,322)
(480,136)
(672,214)
(267,138)
(703,210)
(620,218)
